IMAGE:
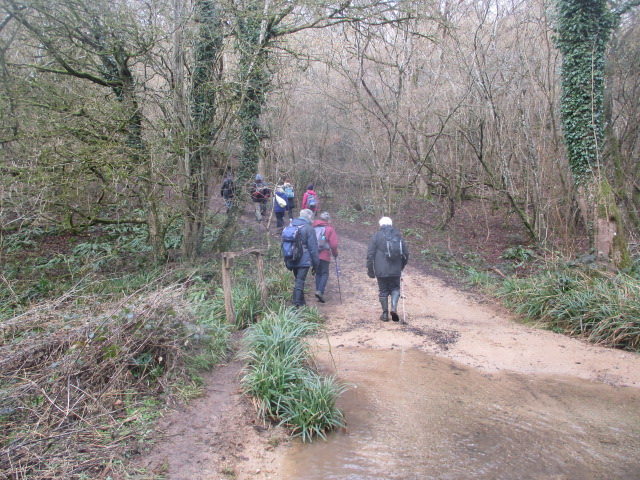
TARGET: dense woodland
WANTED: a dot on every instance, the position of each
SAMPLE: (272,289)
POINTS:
(119,119)
(130,112)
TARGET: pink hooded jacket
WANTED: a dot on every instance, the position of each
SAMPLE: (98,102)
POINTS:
(332,239)
(306,196)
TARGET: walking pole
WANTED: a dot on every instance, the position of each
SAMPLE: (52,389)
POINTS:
(338,278)
(404,311)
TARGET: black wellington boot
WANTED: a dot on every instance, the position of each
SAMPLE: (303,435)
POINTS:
(384,301)
(395,295)
(298,298)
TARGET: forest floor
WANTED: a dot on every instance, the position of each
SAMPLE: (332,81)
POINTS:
(218,435)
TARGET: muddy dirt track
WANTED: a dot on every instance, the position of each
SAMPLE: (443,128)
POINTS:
(479,344)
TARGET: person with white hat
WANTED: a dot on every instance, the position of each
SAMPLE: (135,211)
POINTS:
(387,256)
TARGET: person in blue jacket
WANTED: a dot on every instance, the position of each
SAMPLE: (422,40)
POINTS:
(280,206)
(309,258)
(291,201)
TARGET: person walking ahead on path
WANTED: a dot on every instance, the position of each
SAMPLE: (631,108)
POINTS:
(227,190)
(327,246)
(279,207)
(309,258)
(387,256)
(260,193)
(310,199)
(291,200)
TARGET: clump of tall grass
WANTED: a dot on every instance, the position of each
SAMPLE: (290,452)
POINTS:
(279,283)
(247,296)
(280,378)
(247,303)
(600,306)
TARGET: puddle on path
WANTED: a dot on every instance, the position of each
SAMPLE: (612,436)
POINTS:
(414,416)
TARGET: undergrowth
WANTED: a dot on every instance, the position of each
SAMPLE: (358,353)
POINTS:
(81,378)
(575,299)
(95,343)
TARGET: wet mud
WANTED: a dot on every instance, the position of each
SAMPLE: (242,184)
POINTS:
(412,415)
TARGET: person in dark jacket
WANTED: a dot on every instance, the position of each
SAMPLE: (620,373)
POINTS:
(387,270)
(330,249)
(260,193)
(309,257)
(227,190)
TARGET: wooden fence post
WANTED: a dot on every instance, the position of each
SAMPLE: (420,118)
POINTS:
(227,264)
(261,280)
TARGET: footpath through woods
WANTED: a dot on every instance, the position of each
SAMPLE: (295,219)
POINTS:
(219,437)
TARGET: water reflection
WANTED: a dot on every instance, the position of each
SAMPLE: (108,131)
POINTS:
(413,416)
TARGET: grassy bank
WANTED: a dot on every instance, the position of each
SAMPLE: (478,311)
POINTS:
(96,344)
(592,303)
(82,376)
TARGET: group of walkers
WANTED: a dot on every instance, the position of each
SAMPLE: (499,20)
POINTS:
(308,243)
(260,193)
(318,242)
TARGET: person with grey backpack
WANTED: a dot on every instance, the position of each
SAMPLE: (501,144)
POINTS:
(228,190)
(387,256)
(327,247)
(310,199)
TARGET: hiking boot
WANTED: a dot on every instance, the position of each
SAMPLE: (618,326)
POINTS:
(384,301)
(320,297)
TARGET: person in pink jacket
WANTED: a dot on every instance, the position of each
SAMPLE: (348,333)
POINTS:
(327,246)
(310,200)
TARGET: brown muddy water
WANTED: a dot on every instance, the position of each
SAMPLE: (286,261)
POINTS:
(411,415)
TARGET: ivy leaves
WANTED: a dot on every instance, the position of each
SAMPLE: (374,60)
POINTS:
(583,29)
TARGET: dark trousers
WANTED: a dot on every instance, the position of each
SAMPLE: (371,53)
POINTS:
(322,276)
(300,274)
(279,219)
(388,285)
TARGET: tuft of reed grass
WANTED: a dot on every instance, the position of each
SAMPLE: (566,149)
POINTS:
(310,408)
(247,302)
(600,306)
(280,379)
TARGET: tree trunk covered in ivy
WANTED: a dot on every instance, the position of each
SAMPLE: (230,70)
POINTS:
(206,76)
(583,30)
(254,83)
(253,37)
